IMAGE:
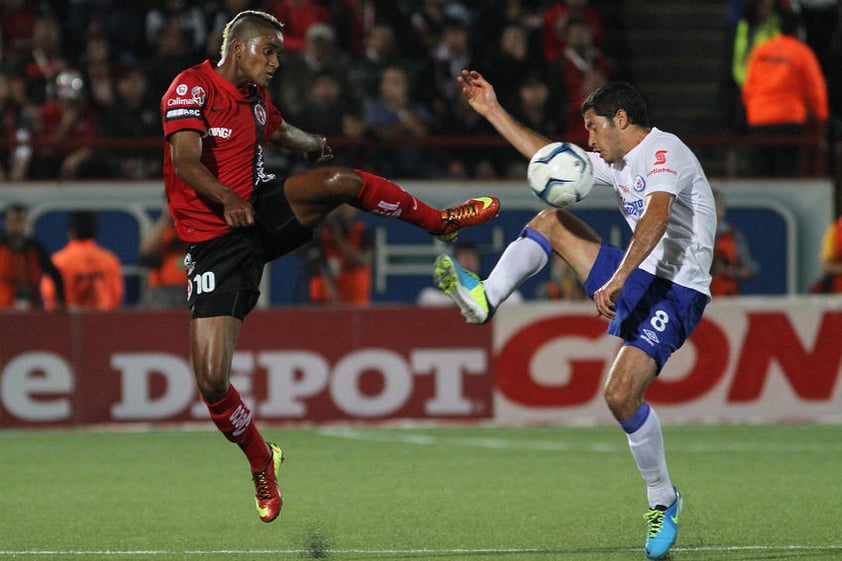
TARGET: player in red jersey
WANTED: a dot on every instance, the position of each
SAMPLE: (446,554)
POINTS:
(235,216)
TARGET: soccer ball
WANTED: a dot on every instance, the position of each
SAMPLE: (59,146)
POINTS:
(560,173)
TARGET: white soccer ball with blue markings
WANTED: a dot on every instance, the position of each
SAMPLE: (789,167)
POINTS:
(560,173)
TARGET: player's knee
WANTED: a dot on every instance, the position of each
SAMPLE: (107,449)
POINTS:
(344,181)
(544,221)
(619,402)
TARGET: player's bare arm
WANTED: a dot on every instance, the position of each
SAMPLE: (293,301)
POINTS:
(186,158)
(481,96)
(648,232)
(314,146)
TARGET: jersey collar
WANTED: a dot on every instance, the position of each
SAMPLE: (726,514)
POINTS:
(240,94)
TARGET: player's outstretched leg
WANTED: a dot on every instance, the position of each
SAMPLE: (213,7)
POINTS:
(662,527)
(464,287)
(522,259)
(267,495)
(379,195)
(313,193)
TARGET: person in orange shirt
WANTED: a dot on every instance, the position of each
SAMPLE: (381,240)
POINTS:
(732,261)
(343,270)
(163,254)
(92,275)
(784,92)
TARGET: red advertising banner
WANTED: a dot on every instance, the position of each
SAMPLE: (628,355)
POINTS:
(290,365)
(750,360)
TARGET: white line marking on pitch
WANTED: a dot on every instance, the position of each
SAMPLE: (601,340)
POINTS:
(420,439)
(386,552)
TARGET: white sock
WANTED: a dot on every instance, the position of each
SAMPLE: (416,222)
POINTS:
(647,447)
(522,258)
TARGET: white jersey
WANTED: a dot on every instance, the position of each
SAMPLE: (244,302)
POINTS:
(662,162)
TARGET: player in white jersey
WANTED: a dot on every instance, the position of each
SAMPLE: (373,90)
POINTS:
(653,293)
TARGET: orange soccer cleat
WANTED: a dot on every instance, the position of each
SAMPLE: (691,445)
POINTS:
(470,213)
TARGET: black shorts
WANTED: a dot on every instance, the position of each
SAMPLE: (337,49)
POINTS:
(224,273)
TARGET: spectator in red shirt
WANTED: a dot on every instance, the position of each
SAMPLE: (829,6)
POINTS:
(65,131)
(15,131)
(36,70)
(297,17)
(556,18)
(584,68)
(24,262)
(17,20)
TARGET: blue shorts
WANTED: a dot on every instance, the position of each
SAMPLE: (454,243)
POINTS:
(653,314)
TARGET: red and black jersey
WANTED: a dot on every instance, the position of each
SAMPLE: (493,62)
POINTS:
(234,122)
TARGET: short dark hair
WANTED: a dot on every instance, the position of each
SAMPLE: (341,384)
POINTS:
(612,97)
(82,224)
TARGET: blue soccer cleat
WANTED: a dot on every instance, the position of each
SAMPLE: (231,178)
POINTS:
(465,288)
(662,527)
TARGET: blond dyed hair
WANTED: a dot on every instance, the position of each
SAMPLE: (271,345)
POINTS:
(245,25)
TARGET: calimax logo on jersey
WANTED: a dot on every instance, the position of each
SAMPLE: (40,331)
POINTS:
(180,101)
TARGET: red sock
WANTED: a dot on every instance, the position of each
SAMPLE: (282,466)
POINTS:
(380,196)
(236,422)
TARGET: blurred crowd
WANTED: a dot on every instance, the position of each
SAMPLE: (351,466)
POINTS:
(81,80)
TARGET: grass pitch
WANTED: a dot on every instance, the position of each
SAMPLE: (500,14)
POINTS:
(473,494)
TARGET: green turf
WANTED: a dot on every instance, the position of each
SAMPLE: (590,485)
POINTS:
(479,494)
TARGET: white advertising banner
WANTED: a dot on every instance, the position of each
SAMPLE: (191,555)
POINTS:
(749,361)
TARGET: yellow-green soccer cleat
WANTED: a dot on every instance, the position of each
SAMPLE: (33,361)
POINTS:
(267,495)
(662,527)
(465,288)
(470,213)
